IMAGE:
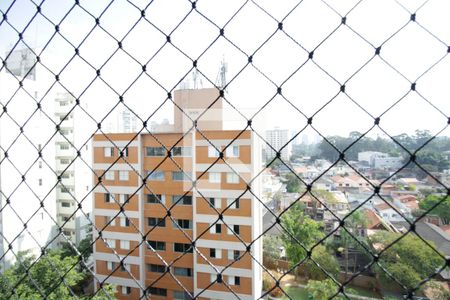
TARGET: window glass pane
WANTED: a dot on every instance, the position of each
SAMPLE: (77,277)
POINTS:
(156,175)
(156,151)
(214,177)
(212,152)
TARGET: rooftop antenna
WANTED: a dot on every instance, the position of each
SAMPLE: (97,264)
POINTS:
(221,80)
(198,82)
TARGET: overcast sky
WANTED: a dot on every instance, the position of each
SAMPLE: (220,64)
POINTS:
(375,88)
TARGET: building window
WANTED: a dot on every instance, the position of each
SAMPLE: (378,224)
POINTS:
(235,229)
(156,151)
(182,200)
(233,254)
(157,291)
(111,243)
(124,151)
(216,228)
(64,146)
(107,197)
(182,151)
(214,177)
(125,245)
(233,203)
(123,198)
(181,295)
(109,175)
(65,204)
(124,222)
(233,151)
(125,267)
(232,178)
(158,198)
(158,222)
(184,248)
(108,220)
(40,164)
(40,181)
(184,224)
(110,265)
(126,290)
(213,152)
(156,268)
(157,245)
(156,175)
(215,253)
(64,161)
(214,202)
(179,176)
(234,280)
(108,151)
(182,271)
(123,175)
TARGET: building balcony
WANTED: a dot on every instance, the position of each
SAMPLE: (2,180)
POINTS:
(62,165)
(64,139)
(66,210)
(68,182)
(71,152)
(63,196)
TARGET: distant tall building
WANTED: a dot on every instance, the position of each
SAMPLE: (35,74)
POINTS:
(193,211)
(123,121)
(127,121)
(76,183)
(278,138)
(27,176)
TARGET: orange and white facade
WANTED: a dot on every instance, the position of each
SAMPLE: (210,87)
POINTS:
(165,213)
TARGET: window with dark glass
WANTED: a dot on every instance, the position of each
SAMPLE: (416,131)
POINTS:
(158,222)
(183,223)
(155,151)
(184,248)
(151,198)
(182,200)
(157,245)
(156,268)
(182,271)
(181,151)
(157,291)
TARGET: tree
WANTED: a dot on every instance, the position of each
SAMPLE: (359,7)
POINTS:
(301,228)
(325,260)
(44,276)
(84,248)
(293,184)
(442,210)
(271,250)
(324,289)
(409,259)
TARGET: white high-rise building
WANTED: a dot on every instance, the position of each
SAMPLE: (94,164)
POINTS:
(27,175)
(278,138)
(73,169)
(124,121)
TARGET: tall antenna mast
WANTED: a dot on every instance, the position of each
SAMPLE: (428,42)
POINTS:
(221,80)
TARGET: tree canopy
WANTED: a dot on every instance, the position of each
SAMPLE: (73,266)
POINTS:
(54,275)
(409,259)
(302,229)
(442,210)
(430,156)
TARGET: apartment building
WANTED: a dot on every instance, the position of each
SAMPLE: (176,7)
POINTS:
(27,178)
(75,174)
(164,214)
(278,138)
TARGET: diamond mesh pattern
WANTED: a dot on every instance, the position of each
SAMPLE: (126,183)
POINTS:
(361,60)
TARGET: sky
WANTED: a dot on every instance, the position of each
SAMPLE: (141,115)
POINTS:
(307,85)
